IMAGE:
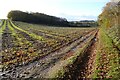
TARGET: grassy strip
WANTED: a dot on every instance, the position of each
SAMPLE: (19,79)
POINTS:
(30,34)
(3,27)
(110,66)
(60,68)
(14,33)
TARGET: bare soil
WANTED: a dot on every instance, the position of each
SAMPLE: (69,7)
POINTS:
(84,65)
(39,68)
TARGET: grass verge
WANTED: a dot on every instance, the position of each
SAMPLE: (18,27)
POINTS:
(107,60)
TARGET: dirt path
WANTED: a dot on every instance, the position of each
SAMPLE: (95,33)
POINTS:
(84,66)
(88,69)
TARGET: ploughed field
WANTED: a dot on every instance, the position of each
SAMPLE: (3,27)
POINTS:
(31,50)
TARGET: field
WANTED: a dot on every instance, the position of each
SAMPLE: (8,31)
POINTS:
(29,50)
(40,51)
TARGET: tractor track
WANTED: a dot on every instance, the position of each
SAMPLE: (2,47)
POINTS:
(84,65)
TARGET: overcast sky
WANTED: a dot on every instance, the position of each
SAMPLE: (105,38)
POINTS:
(70,9)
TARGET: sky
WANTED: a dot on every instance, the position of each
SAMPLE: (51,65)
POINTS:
(70,9)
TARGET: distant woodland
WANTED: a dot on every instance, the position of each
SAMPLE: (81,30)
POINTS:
(38,18)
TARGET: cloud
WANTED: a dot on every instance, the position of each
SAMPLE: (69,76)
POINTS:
(78,17)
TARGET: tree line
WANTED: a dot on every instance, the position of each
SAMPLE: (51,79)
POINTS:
(83,23)
(37,18)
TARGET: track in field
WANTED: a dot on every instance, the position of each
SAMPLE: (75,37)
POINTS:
(84,65)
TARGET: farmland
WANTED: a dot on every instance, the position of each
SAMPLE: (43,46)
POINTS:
(50,52)
(31,50)
(39,46)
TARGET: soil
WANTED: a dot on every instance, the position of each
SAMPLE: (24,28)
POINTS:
(84,65)
(7,39)
(40,67)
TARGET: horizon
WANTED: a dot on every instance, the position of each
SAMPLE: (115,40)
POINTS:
(71,10)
